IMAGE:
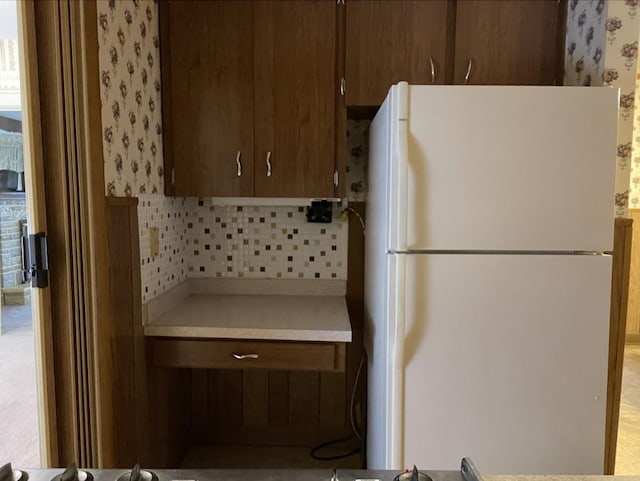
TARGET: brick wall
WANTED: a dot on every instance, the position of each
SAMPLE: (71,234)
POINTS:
(12,211)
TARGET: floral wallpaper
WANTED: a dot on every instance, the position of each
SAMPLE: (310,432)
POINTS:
(130,93)
(357,156)
(622,28)
(585,42)
(602,49)
(634,183)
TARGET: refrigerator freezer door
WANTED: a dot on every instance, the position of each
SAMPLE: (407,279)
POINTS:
(506,362)
(509,168)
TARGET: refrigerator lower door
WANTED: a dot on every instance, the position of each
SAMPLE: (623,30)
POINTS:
(506,362)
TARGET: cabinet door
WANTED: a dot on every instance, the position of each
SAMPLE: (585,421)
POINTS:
(294,90)
(507,42)
(208,96)
(389,41)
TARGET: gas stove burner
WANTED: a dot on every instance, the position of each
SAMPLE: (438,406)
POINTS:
(144,476)
(20,475)
(7,473)
(82,476)
(413,475)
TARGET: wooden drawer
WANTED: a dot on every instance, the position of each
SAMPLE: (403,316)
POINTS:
(233,354)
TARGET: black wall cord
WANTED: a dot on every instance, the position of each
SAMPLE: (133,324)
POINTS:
(355,434)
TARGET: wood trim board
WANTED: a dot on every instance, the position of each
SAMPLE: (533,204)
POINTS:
(35,180)
(619,296)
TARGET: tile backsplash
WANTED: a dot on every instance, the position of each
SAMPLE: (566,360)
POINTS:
(170,267)
(199,239)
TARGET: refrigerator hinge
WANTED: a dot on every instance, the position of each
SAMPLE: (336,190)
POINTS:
(343,86)
(173,176)
(335,178)
(38,260)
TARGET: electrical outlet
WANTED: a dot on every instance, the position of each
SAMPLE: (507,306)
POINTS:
(154,241)
(319,211)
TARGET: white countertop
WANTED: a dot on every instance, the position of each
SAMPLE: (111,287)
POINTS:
(217,310)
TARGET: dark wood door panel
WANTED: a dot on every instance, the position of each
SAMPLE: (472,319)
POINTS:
(507,42)
(294,91)
(208,49)
(389,41)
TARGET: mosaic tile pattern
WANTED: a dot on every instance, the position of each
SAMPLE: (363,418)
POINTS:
(264,242)
(200,240)
(170,266)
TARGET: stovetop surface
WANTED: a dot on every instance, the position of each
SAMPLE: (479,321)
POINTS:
(249,474)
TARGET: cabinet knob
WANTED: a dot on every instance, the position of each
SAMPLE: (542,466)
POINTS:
(468,74)
(253,355)
(268,164)
(433,70)
(238,164)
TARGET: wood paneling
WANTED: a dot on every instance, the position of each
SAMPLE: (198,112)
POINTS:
(633,311)
(355,304)
(267,407)
(619,294)
(278,398)
(207,63)
(255,392)
(151,406)
(355,266)
(390,41)
(124,295)
(341,112)
(295,86)
(508,43)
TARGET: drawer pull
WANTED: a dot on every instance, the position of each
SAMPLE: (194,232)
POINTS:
(467,76)
(268,164)
(238,164)
(433,70)
(253,355)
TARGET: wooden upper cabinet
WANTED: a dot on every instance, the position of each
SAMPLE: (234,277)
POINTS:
(388,41)
(207,73)
(507,42)
(295,89)
(249,97)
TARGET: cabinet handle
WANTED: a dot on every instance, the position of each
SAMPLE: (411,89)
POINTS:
(268,164)
(468,74)
(433,70)
(239,164)
(253,355)
(343,86)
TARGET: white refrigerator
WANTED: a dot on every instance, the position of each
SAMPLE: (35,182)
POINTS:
(487,292)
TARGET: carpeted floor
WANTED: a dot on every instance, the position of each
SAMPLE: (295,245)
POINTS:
(628,449)
(18,411)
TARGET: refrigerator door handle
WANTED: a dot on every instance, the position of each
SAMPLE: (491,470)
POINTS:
(397,366)
(402,159)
